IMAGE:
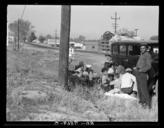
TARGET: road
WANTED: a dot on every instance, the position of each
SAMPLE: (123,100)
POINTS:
(96,60)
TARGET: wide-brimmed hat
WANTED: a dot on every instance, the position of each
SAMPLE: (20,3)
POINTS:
(143,44)
(128,70)
(110,71)
(88,65)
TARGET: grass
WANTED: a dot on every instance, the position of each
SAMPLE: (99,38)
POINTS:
(32,69)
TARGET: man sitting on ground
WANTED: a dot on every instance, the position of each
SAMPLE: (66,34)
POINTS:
(74,75)
(126,82)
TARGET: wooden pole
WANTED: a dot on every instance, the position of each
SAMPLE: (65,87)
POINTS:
(64,45)
(7,34)
(115,22)
(18,35)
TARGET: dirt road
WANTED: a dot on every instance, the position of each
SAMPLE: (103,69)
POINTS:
(96,60)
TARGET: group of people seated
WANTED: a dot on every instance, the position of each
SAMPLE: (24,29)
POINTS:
(83,74)
(117,79)
(114,78)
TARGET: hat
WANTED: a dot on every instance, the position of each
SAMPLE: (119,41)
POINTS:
(78,70)
(120,69)
(110,71)
(143,44)
(128,70)
(88,65)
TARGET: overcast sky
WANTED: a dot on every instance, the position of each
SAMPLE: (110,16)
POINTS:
(90,21)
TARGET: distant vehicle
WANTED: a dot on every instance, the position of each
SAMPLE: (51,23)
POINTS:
(36,41)
(77,45)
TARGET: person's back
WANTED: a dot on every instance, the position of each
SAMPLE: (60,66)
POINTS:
(128,81)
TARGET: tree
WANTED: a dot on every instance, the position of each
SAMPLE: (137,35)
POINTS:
(24,28)
(48,36)
(81,38)
(107,35)
(155,37)
(41,38)
(32,37)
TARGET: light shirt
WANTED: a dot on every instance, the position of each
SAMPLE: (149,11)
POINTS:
(79,72)
(127,80)
(79,69)
(116,83)
(85,73)
(71,52)
(110,71)
(104,79)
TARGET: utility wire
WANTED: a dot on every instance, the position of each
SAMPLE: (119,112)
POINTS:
(23,11)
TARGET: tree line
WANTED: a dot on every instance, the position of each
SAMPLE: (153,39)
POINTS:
(24,30)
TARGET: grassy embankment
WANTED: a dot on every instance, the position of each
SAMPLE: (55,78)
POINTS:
(32,69)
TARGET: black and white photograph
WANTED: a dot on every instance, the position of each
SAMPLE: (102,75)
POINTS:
(82,63)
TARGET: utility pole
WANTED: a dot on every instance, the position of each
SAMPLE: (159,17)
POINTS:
(18,33)
(115,22)
(7,33)
(64,45)
(136,30)
(19,26)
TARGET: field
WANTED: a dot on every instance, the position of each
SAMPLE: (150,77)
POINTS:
(33,92)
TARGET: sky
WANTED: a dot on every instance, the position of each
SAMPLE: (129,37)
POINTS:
(89,21)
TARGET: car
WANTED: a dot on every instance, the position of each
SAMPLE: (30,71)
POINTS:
(126,53)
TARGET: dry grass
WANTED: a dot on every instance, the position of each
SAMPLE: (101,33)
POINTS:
(124,110)
(37,70)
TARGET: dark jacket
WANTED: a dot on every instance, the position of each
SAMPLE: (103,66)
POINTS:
(144,62)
